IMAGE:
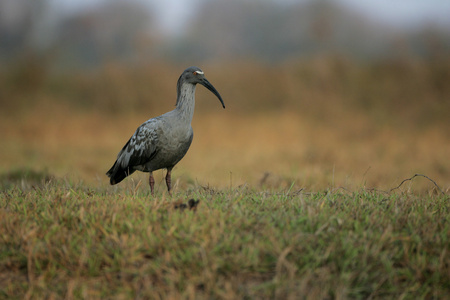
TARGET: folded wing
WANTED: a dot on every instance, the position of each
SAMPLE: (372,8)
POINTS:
(139,150)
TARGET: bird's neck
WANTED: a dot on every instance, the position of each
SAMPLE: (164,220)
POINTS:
(186,101)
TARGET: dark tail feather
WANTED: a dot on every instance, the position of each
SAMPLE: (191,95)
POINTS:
(117,173)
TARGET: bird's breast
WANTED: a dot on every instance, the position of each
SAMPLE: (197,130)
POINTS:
(176,137)
(173,145)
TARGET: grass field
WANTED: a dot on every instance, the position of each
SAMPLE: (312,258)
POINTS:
(297,180)
(63,240)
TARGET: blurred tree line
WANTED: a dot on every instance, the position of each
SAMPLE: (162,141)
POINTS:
(266,31)
(326,58)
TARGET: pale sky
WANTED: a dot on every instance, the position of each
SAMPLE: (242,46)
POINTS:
(404,12)
(174,13)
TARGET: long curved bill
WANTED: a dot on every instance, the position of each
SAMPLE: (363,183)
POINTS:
(210,87)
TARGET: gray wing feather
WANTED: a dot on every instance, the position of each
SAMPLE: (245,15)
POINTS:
(141,147)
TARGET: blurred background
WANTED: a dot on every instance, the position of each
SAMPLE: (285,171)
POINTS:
(319,94)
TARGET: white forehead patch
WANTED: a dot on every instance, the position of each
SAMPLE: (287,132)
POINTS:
(199,72)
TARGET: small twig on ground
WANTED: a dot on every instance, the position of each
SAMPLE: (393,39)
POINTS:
(377,190)
(340,188)
(416,175)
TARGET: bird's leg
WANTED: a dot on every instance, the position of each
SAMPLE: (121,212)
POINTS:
(169,180)
(151,181)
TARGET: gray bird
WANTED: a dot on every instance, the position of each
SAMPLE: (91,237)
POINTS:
(161,142)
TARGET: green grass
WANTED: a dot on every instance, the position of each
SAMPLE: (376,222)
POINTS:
(62,240)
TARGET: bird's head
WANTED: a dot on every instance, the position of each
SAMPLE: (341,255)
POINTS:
(194,75)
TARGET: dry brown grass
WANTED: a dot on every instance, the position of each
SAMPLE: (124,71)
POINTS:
(65,241)
(318,124)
